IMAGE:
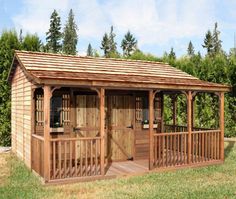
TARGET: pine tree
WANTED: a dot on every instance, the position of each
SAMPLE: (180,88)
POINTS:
(216,41)
(172,55)
(112,43)
(89,50)
(31,43)
(105,45)
(54,34)
(190,49)
(70,37)
(208,42)
(128,44)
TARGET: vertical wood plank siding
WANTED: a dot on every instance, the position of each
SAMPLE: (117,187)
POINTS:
(21,116)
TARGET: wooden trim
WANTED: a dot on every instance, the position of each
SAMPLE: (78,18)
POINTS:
(38,137)
(222,126)
(46,101)
(129,85)
(102,129)
(189,125)
(151,133)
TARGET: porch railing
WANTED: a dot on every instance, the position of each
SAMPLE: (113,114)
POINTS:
(75,157)
(171,149)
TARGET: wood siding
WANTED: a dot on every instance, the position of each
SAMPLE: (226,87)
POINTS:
(21,116)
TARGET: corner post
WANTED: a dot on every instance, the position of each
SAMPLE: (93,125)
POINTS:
(46,109)
(221,100)
(189,126)
(102,129)
(174,102)
(151,134)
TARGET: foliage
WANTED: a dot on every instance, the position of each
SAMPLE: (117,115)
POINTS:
(54,34)
(105,45)
(108,44)
(208,42)
(128,44)
(8,42)
(89,50)
(172,55)
(190,49)
(70,37)
(31,43)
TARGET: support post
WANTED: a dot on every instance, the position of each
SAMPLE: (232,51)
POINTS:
(189,126)
(102,129)
(221,101)
(46,109)
(174,98)
(162,113)
(151,134)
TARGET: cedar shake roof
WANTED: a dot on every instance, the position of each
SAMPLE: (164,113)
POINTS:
(47,66)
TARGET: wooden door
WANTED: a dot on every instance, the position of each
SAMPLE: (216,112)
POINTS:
(119,122)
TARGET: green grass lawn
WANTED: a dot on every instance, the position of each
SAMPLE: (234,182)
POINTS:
(16,181)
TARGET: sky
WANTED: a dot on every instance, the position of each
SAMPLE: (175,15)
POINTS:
(158,25)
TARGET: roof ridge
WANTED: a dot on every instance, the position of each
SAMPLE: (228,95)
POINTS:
(102,58)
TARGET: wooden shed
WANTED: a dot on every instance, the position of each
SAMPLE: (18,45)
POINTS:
(81,118)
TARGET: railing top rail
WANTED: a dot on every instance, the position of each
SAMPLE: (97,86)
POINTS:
(38,137)
(207,131)
(172,133)
(75,139)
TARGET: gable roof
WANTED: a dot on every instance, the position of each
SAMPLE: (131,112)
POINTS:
(47,66)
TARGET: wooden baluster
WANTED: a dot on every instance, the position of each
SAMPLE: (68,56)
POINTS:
(159,151)
(59,153)
(185,147)
(91,157)
(54,159)
(167,150)
(70,144)
(178,149)
(65,151)
(174,150)
(76,159)
(81,158)
(86,157)
(96,158)
(163,149)
(203,147)
(171,149)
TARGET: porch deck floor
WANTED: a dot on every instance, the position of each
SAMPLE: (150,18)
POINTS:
(127,168)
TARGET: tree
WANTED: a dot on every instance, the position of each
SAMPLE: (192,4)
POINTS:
(216,41)
(70,37)
(8,43)
(190,49)
(54,34)
(105,45)
(208,42)
(90,50)
(128,44)
(172,55)
(31,43)
(112,43)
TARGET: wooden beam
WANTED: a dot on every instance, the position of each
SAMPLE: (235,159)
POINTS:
(221,100)
(162,112)
(189,125)
(174,113)
(129,85)
(46,109)
(102,129)
(151,133)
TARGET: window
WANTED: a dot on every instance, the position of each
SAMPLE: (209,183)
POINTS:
(56,112)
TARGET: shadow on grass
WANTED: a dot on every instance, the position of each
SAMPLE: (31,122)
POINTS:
(229,148)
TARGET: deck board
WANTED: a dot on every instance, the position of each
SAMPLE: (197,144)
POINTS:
(127,167)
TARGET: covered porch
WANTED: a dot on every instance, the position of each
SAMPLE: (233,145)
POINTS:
(86,133)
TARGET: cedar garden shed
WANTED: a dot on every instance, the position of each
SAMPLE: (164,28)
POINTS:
(81,118)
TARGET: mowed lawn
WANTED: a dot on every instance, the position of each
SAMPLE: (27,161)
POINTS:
(16,181)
